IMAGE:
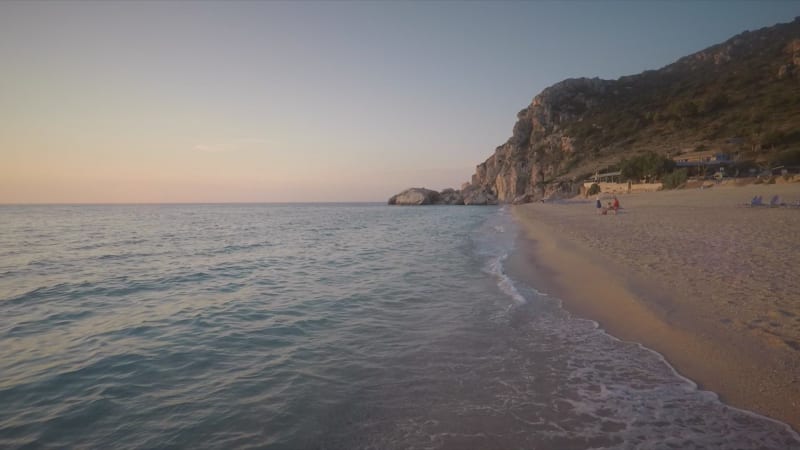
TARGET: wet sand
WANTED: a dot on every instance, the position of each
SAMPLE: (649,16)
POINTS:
(712,285)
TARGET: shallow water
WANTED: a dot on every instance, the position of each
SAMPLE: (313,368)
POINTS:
(316,326)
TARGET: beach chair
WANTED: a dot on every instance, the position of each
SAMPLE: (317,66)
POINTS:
(775,202)
(756,201)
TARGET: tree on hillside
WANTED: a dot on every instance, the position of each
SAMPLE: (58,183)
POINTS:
(787,157)
(646,166)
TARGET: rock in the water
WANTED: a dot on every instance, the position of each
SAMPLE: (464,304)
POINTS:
(478,196)
(415,196)
(450,197)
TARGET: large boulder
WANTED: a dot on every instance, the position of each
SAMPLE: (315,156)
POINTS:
(478,196)
(415,196)
(450,197)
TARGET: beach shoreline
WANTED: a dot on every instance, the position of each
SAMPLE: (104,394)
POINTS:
(691,274)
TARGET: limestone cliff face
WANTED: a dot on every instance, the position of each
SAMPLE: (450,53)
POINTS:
(540,147)
(719,95)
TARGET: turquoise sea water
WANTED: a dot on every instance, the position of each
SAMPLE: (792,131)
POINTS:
(350,326)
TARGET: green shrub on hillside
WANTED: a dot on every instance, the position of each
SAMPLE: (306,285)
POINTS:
(788,158)
(779,138)
(594,189)
(714,102)
(675,179)
(685,109)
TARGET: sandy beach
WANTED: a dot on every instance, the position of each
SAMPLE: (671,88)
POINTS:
(710,284)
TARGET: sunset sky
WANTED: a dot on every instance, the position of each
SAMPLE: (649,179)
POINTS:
(283,102)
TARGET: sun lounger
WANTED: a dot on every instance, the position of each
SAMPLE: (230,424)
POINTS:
(756,201)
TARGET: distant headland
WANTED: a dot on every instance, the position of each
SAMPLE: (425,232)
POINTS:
(740,98)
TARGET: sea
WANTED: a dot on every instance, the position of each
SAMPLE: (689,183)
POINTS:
(317,326)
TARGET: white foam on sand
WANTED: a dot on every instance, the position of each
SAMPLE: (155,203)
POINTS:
(495,268)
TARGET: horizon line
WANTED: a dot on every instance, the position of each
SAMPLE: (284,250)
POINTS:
(186,203)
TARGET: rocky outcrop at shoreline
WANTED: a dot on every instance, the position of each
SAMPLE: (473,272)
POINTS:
(422,196)
(415,196)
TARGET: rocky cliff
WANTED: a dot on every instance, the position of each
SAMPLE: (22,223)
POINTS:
(742,96)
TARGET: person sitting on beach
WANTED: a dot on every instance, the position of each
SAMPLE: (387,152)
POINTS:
(776,201)
(756,201)
(610,208)
(616,204)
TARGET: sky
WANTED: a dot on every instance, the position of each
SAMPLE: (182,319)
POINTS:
(148,102)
